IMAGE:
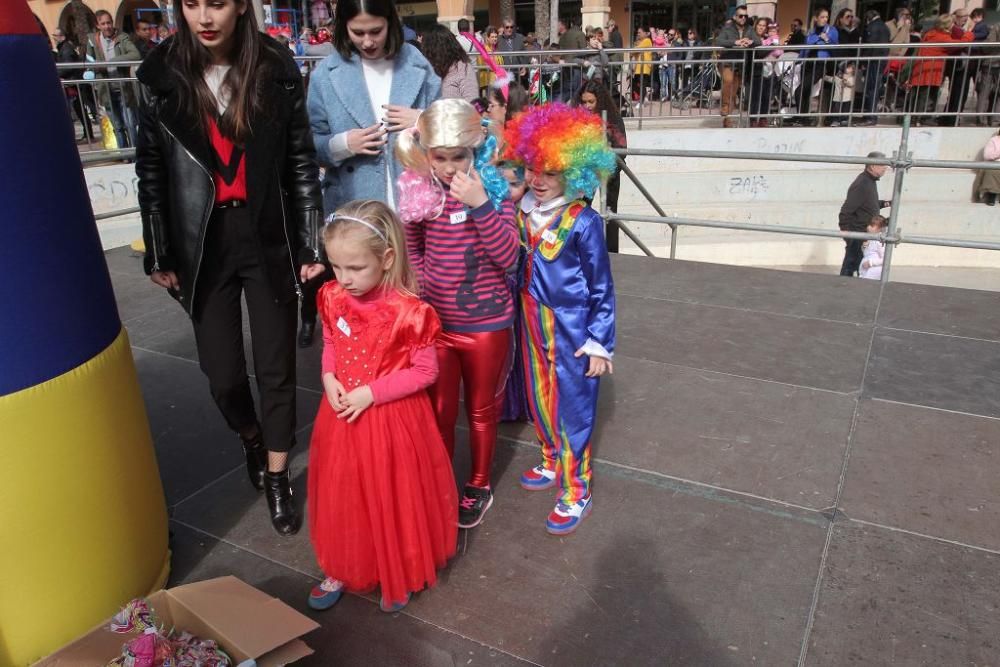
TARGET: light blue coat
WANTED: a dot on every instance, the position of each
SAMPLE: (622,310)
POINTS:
(338,102)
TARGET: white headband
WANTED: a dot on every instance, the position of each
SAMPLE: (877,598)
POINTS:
(378,232)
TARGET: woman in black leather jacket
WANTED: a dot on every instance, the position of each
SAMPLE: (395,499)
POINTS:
(229,192)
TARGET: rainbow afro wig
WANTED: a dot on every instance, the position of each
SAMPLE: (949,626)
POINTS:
(555,137)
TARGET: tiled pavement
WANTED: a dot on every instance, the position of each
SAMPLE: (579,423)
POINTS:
(791,469)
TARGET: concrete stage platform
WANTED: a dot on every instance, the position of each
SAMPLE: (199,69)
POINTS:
(791,469)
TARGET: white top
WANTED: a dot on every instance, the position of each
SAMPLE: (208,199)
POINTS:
(992,150)
(871,261)
(843,87)
(378,77)
(108,46)
(214,74)
(466,44)
(378,80)
(540,216)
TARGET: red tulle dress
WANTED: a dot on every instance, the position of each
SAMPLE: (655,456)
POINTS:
(382,496)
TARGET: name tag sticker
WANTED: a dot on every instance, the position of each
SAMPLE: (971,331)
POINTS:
(344,327)
(459,217)
(549,236)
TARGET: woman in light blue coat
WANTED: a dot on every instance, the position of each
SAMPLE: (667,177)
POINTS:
(360,97)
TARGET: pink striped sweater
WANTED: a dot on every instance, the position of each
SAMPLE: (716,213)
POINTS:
(461,259)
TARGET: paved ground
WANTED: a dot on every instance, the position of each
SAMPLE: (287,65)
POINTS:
(791,468)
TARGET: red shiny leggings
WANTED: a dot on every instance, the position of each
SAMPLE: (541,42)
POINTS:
(481,363)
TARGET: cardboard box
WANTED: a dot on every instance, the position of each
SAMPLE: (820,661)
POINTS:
(246,623)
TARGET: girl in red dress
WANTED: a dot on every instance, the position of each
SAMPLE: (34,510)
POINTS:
(382,494)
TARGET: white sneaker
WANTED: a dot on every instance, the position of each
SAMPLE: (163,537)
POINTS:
(538,478)
(564,519)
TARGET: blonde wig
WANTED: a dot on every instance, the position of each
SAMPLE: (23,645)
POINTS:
(378,227)
(450,123)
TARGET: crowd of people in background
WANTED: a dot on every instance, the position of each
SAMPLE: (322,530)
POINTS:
(750,66)
(757,69)
(116,101)
(768,78)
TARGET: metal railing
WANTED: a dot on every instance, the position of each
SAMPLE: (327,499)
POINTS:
(901,162)
(803,85)
(745,86)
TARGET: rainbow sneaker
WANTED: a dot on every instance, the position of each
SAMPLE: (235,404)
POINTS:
(564,519)
(325,595)
(538,478)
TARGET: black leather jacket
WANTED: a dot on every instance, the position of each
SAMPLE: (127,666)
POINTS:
(174,163)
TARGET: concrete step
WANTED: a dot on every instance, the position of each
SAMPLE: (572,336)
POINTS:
(769,186)
(118,232)
(925,142)
(766,249)
(947,220)
(934,202)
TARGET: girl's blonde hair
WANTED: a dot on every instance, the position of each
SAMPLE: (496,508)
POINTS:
(449,123)
(385,232)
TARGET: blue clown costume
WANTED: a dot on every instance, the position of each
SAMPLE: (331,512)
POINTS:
(567,298)
(568,303)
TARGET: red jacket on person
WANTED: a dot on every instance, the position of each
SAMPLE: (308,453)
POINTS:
(931,72)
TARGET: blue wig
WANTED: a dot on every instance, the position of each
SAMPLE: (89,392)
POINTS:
(496,186)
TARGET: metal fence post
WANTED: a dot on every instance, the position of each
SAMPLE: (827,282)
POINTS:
(900,165)
(604,184)
(642,94)
(645,193)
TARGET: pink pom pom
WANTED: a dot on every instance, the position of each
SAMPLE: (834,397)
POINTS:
(420,198)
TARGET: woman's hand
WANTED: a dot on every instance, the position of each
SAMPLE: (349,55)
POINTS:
(598,365)
(167,279)
(310,271)
(356,402)
(366,140)
(398,118)
(469,189)
(335,392)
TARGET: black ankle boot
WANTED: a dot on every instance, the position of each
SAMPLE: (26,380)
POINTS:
(256,455)
(284,515)
(306,333)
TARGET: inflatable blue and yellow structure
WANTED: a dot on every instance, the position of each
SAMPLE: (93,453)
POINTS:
(83,523)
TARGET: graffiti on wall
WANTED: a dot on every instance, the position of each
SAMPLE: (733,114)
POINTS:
(112,187)
(750,186)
